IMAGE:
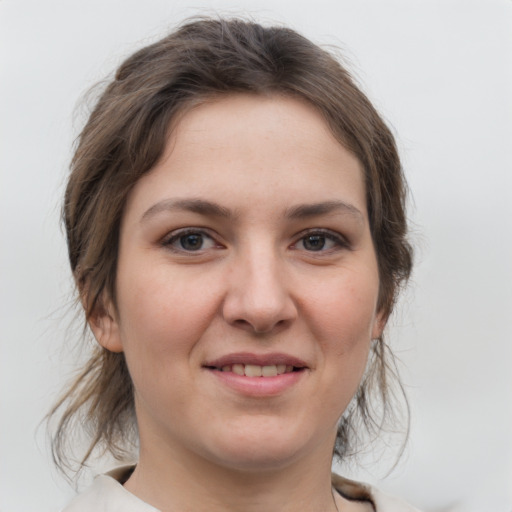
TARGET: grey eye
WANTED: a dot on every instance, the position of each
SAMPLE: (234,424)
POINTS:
(191,241)
(321,241)
(314,242)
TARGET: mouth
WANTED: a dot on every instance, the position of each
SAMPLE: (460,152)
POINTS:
(254,370)
(252,365)
(259,376)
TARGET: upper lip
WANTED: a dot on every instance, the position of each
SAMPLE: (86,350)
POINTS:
(256,359)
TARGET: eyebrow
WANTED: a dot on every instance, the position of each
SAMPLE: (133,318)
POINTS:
(209,208)
(200,206)
(305,211)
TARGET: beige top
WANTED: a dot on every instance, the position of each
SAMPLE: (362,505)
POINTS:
(107,494)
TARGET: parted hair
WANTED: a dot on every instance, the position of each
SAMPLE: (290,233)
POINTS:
(123,139)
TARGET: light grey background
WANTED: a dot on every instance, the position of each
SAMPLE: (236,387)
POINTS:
(441,74)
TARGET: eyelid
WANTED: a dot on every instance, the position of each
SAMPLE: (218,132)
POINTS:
(176,234)
(341,240)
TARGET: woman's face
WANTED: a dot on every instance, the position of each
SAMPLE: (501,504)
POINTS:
(247,286)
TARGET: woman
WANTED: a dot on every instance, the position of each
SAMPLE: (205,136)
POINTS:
(236,229)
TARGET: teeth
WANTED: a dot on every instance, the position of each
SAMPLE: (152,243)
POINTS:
(239,369)
(254,370)
(251,370)
(269,371)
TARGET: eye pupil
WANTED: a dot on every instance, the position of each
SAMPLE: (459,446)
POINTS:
(314,242)
(191,242)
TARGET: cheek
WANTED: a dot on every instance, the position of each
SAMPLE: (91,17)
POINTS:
(162,312)
(342,316)
(344,312)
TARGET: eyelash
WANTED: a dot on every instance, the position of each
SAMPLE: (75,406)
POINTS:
(339,240)
(175,236)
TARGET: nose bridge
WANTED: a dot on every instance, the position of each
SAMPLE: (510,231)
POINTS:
(264,286)
(258,297)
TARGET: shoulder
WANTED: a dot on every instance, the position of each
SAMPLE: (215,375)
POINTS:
(381,502)
(386,503)
(107,494)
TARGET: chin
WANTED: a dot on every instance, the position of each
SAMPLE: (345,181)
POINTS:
(261,449)
(249,459)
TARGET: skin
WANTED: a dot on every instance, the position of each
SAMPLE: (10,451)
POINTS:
(267,273)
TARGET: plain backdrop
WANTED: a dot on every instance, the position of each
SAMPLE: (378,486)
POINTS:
(441,74)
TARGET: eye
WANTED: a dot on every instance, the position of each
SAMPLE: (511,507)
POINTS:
(321,241)
(189,240)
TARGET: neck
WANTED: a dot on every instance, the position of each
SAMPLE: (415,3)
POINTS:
(185,482)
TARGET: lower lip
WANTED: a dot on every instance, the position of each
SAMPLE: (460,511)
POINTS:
(259,386)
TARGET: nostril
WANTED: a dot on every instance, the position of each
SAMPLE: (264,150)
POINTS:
(258,315)
(242,323)
(258,327)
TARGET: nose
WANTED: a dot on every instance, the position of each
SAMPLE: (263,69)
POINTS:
(258,299)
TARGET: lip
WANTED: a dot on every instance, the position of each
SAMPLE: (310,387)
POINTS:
(257,359)
(259,387)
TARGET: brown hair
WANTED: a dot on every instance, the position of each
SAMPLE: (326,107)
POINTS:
(124,138)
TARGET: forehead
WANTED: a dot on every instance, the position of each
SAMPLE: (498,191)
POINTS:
(274,118)
(246,149)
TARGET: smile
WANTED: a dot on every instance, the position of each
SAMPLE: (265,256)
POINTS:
(256,365)
(258,374)
(254,370)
